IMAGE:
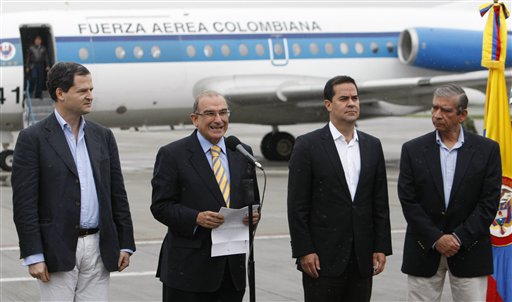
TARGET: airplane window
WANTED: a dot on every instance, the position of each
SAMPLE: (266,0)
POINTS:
(226,51)
(83,53)
(278,49)
(120,52)
(329,48)
(191,51)
(243,49)
(260,50)
(313,48)
(359,47)
(138,52)
(296,49)
(344,48)
(391,47)
(374,47)
(208,50)
(156,52)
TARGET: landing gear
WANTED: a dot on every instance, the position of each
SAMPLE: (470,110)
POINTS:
(6,158)
(277,146)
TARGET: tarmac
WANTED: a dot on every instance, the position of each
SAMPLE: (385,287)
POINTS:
(276,276)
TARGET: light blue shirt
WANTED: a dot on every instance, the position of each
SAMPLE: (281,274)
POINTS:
(89,207)
(448,163)
(206,146)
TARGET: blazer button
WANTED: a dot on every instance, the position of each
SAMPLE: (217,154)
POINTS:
(442,212)
(77,181)
(77,203)
(77,226)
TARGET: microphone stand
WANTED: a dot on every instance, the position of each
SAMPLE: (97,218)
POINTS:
(248,185)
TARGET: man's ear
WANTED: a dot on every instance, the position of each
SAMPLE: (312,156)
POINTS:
(327,104)
(59,93)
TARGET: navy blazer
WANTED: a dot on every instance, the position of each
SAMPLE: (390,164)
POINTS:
(322,217)
(184,185)
(472,207)
(46,195)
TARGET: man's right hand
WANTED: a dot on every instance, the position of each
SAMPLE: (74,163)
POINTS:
(39,271)
(447,245)
(310,265)
(209,219)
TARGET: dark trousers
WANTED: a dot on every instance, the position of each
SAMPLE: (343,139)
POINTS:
(350,286)
(226,293)
(37,79)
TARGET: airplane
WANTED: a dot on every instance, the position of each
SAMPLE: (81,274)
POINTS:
(270,64)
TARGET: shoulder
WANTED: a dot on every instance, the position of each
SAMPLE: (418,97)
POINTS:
(314,135)
(181,144)
(428,138)
(478,140)
(96,127)
(370,138)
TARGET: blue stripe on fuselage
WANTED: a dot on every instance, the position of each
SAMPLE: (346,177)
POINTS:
(229,47)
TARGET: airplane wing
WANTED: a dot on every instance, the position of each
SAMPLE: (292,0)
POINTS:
(385,97)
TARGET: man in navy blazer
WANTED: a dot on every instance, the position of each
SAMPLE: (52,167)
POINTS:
(187,198)
(338,208)
(70,205)
(449,187)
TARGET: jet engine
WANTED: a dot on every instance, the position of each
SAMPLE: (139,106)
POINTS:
(443,49)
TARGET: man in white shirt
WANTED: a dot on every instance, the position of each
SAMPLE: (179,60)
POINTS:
(338,209)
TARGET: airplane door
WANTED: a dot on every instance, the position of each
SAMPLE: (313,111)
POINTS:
(278,49)
(11,84)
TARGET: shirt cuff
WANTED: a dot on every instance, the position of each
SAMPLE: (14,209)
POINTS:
(128,251)
(33,259)
(457,237)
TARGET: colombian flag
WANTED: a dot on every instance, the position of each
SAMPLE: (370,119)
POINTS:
(497,126)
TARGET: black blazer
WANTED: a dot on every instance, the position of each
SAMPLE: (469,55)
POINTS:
(473,204)
(321,215)
(46,195)
(184,185)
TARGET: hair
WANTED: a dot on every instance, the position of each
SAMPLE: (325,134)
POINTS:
(450,90)
(210,93)
(329,86)
(62,75)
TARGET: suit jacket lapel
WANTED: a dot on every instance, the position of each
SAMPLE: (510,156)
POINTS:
(433,160)
(202,167)
(334,158)
(57,141)
(364,151)
(94,149)
(464,155)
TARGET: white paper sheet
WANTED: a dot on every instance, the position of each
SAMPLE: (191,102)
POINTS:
(231,237)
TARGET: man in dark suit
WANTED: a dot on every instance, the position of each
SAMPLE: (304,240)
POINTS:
(192,180)
(449,187)
(338,210)
(69,201)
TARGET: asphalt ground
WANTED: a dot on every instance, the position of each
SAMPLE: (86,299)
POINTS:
(276,276)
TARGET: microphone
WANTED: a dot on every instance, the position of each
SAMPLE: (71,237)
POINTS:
(234,144)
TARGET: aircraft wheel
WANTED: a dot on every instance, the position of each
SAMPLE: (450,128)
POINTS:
(277,146)
(6,158)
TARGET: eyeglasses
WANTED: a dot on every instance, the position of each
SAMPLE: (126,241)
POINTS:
(213,114)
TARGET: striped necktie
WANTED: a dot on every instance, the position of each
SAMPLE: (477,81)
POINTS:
(220,173)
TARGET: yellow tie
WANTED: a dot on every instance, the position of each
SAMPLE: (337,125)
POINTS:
(220,173)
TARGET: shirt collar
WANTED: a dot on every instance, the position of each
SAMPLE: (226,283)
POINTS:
(458,144)
(337,135)
(63,124)
(206,145)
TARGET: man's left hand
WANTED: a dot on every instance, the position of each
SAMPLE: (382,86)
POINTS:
(124,261)
(379,261)
(255,218)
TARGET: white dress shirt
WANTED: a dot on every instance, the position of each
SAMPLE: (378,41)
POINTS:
(349,156)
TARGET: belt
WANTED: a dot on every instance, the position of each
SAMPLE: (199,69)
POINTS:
(85,232)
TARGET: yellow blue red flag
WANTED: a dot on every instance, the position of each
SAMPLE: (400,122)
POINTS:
(497,127)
